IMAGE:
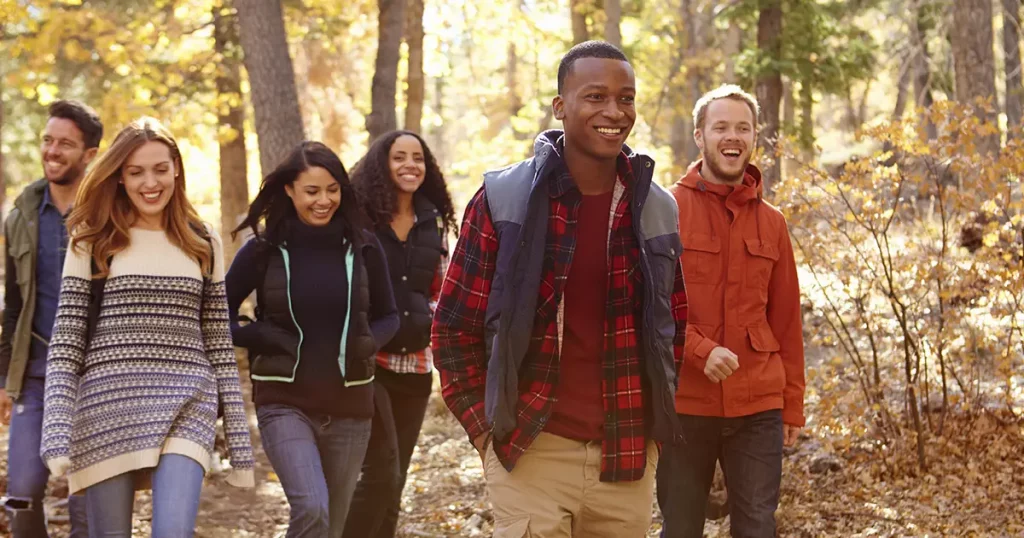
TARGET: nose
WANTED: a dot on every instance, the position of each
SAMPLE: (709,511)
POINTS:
(612,110)
(49,149)
(149,180)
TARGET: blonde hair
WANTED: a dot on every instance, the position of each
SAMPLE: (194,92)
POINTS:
(725,91)
(103,214)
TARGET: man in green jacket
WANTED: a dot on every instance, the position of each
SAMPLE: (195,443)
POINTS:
(36,240)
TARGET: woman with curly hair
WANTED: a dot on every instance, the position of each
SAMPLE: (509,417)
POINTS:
(404,193)
(141,352)
(323,309)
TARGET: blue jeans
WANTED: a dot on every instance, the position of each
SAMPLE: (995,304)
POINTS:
(750,449)
(317,458)
(27,474)
(177,482)
(399,405)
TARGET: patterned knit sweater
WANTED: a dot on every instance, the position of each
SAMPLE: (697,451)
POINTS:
(150,381)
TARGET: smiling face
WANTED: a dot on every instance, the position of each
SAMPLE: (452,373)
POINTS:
(316,196)
(726,140)
(63,151)
(148,175)
(407,164)
(596,106)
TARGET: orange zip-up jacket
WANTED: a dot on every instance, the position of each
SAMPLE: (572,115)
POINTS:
(744,295)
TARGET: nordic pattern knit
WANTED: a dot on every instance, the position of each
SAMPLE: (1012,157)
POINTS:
(150,380)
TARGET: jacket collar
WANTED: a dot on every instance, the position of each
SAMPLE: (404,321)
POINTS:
(31,198)
(750,189)
(549,149)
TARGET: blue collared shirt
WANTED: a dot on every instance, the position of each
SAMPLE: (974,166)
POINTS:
(53,245)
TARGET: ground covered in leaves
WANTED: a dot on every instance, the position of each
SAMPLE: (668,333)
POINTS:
(973,486)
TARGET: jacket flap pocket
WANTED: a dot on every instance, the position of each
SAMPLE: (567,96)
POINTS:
(18,249)
(665,245)
(702,243)
(756,247)
(762,339)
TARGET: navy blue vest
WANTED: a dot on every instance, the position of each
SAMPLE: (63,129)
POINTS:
(517,198)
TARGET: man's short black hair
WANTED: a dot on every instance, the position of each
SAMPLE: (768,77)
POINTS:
(83,116)
(587,49)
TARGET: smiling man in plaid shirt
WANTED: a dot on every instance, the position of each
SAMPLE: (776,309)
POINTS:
(560,325)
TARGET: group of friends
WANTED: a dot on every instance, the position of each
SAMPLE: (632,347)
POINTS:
(594,333)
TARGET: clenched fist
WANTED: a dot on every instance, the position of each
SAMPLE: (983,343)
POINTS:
(721,364)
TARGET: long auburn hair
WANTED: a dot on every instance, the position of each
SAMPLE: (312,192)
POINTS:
(372,179)
(103,213)
(273,206)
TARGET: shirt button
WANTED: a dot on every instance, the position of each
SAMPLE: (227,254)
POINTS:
(403,350)
(404,278)
(406,313)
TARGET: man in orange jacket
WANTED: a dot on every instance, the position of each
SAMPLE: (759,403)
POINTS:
(741,386)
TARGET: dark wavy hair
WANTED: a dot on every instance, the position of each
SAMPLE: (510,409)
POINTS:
(275,208)
(371,177)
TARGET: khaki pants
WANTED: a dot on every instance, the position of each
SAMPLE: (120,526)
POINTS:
(554,491)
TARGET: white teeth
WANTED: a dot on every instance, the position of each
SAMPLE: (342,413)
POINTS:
(606,131)
(732,152)
(151,196)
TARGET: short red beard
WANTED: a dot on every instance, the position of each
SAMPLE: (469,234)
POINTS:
(712,163)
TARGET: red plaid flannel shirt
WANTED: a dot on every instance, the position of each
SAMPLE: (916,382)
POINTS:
(422,361)
(458,333)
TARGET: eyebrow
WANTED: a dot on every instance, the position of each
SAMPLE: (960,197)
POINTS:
(598,86)
(141,166)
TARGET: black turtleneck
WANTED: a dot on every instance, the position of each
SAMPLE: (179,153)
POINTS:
(319,290)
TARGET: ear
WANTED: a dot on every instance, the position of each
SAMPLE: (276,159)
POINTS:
(698,137)
(89,155)
(289,189)
(558,107)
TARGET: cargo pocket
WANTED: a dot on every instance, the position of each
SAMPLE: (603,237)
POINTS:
(512,527)
(701,258)
(760,262)
(768,375)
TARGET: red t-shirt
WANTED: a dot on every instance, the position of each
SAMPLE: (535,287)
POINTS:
(579,411)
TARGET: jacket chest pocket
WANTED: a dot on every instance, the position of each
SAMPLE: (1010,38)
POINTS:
(761,258)
(663,260)
(21,254)
(701,258)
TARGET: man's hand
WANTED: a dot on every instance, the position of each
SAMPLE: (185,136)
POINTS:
(5,408)
(721,364)
(480,443)
(790,434)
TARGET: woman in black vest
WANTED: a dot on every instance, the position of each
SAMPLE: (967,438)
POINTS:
(405,195)
(324,307)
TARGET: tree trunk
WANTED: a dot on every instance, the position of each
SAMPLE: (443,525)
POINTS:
(903,87)
(613,18)
(385,76)
(923,98)
(416,85)
(438,136)
(578,15)
(733,47)
(3,174)
(807,122)
(234,184)
(271,80)
(694,23)
(769,84)
(974,61)
(1011,59)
